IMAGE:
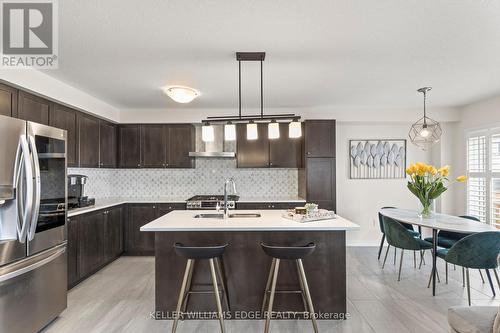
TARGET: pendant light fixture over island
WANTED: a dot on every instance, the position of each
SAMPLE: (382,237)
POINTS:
(273,132)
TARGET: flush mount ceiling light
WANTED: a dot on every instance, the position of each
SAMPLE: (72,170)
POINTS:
(252,120)
(181,94)
(426,131)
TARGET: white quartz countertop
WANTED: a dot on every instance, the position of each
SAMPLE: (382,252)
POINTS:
(110,202)
(270,220)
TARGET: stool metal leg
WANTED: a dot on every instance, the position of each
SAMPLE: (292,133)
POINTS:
(181,295)
(188,287)
(301,283)
(308,296)
(271,296)
(268,285)
(217,295)
(219,266)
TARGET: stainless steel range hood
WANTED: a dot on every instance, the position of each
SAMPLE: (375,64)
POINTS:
(216,149)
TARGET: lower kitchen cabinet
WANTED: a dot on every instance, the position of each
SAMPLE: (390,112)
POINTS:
(94,240)
(143,243)
(268,205)
(90,243)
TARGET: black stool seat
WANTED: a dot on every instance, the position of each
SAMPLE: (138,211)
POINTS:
(199,252)
(288,252)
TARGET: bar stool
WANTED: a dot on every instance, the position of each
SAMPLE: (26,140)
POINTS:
(296,253)
(193,253)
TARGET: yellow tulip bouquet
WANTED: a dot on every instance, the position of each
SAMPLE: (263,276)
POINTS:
(427,183)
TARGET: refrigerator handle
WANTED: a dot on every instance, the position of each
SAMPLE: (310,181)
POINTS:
(23,163)
(37,191)
(30,267)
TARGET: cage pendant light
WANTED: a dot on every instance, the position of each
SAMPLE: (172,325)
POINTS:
(425,132)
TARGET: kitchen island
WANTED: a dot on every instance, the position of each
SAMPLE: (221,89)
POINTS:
(246,265)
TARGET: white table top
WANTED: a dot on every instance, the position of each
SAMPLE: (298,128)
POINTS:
(439,221)
(270,220)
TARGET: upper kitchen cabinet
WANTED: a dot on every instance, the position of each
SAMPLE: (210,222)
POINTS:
(8,101)
(153,146)
(107,144)
(181,140)
(33,108)
(65,118)
(252,153)
(88,137)
(320,182)
(285,152)
(320,138)
(129,146)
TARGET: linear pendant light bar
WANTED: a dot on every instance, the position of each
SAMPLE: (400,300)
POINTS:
(252,120)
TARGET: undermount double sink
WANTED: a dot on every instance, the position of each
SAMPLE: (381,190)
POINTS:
(230,215)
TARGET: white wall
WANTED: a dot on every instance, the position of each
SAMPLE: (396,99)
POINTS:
(360,200)
(46,86)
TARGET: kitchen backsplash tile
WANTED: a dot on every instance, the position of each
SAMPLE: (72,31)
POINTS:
(207,178)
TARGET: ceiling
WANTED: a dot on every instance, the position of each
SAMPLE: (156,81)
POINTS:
(339,53)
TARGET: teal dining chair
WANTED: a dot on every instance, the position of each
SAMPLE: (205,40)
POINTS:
(447,239)
(399,237)
(408,227)
(477,251)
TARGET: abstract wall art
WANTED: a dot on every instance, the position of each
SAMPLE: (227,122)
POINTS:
(377,159)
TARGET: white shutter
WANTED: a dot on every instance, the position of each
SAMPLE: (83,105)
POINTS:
(495,202)
(476,197)
(476,154)
(495,153)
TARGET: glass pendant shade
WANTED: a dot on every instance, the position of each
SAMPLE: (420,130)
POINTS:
(230,132)
(425,132)
(207,133)
(252,133)
(295,129)
(273,130)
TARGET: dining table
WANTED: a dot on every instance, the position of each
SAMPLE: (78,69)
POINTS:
(437,222)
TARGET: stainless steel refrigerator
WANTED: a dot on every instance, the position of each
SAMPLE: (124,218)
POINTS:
(33,267)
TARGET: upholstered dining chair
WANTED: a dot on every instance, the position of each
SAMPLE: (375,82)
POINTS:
(478,251)
(447,239)
(399,237)
(408,227)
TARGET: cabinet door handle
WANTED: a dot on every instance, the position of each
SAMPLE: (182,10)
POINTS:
(154,207)
(138,164)
(308,153)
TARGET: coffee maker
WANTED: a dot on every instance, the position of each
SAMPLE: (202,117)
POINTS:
(76,192)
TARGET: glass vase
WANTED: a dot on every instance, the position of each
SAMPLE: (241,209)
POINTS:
(426,209)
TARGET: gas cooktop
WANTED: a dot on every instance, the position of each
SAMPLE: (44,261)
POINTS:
(206,201)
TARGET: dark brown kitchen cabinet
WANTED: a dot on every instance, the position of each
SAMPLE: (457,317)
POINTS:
(153,146)
(113,231)
(107,144)
(320,182)
(267,205)
(8,101)
(33,108)
(138,242)
(320,138)
(165,208)
(65,118)
(88,137)
(72,233)
(91,242)
(181,140)
(129,146)
(252,153)
(285,152)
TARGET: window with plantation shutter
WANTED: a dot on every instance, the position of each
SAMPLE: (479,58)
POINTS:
(483,171)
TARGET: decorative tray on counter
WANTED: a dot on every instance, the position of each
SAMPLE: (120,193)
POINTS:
(318,215)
